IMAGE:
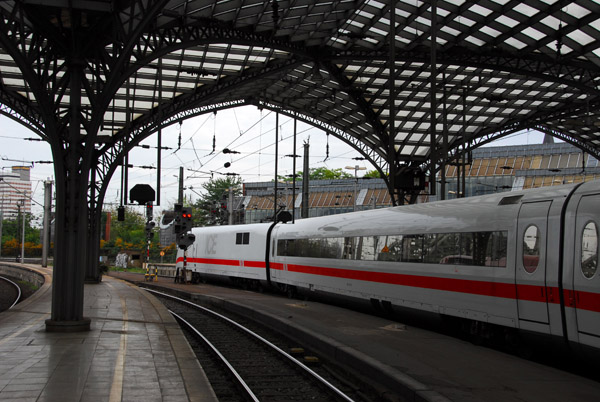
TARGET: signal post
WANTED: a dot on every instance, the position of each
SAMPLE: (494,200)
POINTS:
(183,224)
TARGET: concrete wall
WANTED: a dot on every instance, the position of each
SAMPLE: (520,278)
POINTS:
(22,272)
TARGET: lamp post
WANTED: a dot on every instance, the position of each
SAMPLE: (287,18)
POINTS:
(23,233)
(356,168)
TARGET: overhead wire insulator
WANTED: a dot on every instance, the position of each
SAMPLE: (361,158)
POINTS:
(327,149)
(214,134)
(179,142)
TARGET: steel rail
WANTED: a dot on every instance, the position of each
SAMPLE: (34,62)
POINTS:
(233,371)
(18,291)
(260,338)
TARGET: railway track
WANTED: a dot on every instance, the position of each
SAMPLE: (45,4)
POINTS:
(250,367)
(10,293)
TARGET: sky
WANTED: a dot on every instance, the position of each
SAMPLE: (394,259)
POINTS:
(246,130)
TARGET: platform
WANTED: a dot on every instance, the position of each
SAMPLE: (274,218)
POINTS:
(135,351)
(430,366)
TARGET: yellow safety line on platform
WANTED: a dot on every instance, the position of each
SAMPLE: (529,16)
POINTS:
(116,389)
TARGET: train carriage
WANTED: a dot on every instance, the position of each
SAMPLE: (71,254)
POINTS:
(525,260)
(233,252)
(579,288)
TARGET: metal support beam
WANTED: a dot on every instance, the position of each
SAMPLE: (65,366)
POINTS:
(46,225)
(305,180)
(433,94)
(71,220)
(392,105)
(92,268)
(276,165)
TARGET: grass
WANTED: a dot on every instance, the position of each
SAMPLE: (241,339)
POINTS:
(28,285)
(134,270)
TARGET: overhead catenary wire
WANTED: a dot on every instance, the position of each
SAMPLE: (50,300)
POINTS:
(254,171)
(23,193)
(260,151)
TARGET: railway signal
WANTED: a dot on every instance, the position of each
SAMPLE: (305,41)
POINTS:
(185,240)
(186,219)
(178,211)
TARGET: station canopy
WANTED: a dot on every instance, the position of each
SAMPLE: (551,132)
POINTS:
(499,67)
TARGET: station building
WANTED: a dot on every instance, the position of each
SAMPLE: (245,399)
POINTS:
(15,192)
(496,169)
(489,170)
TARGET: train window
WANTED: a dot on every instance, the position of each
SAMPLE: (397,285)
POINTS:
(368,248)
(286,247)
(495,255)
(389,248)
(438,247)
(242,238)
(531,248)
(331,247)
(412,248)
(349,248)
(589,250)
(473,248)
(358,248)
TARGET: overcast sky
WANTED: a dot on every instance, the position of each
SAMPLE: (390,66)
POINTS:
(245,129)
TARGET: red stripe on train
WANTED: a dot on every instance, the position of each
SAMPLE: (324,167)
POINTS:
(584,300)
(483,288)
(214,261)
(254,264)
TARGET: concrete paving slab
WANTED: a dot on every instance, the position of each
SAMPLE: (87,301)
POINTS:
(122,358)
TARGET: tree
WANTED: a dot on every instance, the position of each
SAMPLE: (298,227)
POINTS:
(374,174)
(321,173)
(131,230)
(11,229)
(208,210)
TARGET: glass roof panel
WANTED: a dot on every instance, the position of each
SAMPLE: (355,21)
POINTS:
(505,20)
(490,31)
(533,33)
(515,43)
(552,22)
(457,2)
(475,41)
(466,21)
(356,23)
(476,8)
(580,37)
(525,9)
(442,12)
(575,10)
(450,30)
(365,14)
(378,31)
(375,3)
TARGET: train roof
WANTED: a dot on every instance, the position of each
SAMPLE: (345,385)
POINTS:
(486,212)
(251,227)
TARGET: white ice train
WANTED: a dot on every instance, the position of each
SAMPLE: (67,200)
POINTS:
(526,260)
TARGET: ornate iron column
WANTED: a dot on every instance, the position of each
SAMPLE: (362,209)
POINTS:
(72,175)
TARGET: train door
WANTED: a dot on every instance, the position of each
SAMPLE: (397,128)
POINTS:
(530,275)
(586,278)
